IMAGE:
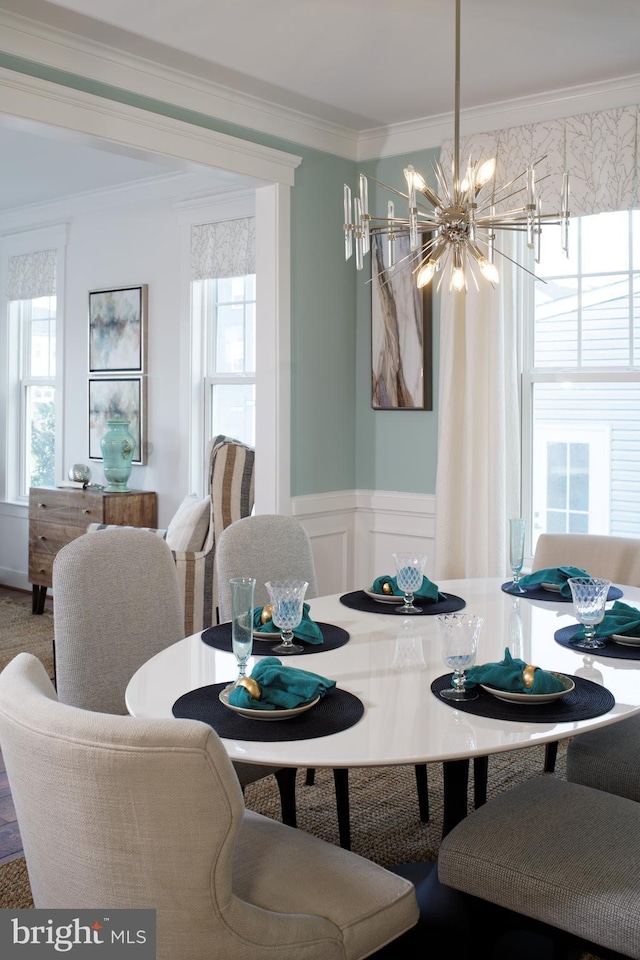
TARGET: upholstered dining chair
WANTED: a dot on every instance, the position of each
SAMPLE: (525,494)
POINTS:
(116,604)
(123,812)
(610,558)
(553,858)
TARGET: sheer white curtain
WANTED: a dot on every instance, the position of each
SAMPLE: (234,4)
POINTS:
(478,476)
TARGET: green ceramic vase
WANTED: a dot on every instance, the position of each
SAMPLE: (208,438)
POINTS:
(117,446)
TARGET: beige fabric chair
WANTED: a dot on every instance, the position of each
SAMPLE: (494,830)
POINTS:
(231,487)
(554,853)
(121,812)
(116,604)
(609,558)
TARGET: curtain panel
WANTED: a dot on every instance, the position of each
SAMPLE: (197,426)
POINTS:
(223,249)
(600,151)
(31,275)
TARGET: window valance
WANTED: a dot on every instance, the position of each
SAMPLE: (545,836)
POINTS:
(600,150)
(223,249)
(31,275)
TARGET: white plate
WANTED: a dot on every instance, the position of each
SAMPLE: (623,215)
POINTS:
(512,697)
(266,635)
(383,597)
(223,696)
(627,641)
(551,587)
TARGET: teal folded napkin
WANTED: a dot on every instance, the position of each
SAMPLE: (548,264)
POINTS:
(428,591)
(620,619)
(507,675)
(282,688)
(307,630)
(556,575)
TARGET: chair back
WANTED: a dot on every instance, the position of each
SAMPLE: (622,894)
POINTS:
(116,603)
(609,558)
(267,547)
(121,812)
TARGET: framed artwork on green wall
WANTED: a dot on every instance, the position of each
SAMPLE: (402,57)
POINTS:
(401,332)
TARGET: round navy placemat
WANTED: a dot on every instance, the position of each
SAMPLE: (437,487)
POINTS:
(587,700)
(359,600)
(338,710)
(565,637)
(220,638)
(539,593)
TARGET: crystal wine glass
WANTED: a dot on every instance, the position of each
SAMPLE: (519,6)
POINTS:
(517,527)
(409,574)
(589,603)
(459,634)
(242,589)
(287,597)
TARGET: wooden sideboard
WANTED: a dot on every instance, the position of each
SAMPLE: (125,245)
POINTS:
(57,516)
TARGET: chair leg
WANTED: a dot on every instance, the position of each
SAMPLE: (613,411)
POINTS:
(480,776)
(550,756)
(422,784)
(310,777)
(286,778)
(341,781)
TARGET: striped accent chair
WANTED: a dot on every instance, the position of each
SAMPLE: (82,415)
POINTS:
(231,486)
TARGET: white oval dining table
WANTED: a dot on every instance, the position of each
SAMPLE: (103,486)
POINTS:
(390,663)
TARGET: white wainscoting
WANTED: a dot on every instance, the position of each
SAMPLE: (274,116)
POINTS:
(354,533)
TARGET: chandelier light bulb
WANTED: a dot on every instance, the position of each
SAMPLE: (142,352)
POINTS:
(488,270)
(425,274)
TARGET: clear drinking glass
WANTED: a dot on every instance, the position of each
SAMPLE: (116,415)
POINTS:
(242,589)
(589,604)
(287,598)
(459,633)
(517,528)
(409,574)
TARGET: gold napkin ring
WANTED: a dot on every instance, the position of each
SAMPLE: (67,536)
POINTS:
(387,588)
(527,675)
(251,686)
(267,613)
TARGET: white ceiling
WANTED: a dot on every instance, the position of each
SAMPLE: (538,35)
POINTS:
(358,63)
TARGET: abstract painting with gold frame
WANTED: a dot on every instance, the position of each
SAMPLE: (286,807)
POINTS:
(401,333)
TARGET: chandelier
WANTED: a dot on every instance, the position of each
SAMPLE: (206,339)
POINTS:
(454,232)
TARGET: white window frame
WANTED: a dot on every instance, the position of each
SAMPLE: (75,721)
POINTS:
(11,399)
(531,376)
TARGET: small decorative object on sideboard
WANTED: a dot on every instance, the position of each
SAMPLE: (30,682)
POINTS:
(117,446)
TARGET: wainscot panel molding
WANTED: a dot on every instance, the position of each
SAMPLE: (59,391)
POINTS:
(354,533)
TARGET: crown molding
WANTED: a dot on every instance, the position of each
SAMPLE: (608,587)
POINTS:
(60,50)
(431,132)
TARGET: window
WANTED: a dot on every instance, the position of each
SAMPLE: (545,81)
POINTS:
(228,310)
(34,323)
(581,382)
(32,266)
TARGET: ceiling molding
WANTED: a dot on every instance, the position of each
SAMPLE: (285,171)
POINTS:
(63,107)
(60,50)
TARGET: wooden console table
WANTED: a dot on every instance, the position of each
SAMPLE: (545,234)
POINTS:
(57,516)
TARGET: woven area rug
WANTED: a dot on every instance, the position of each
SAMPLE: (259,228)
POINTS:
(22,630)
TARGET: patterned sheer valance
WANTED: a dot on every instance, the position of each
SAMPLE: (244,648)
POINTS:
(600,150)
(223,249)
(31,275)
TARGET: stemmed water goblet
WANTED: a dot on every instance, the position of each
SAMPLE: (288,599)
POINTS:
(459,633)
(242,589)
(287,598)
(589,604)
(409,574)
(517,527)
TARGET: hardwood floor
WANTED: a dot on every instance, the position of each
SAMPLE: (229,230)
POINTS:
(10,841)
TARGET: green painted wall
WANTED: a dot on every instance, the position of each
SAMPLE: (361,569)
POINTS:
(337,441)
